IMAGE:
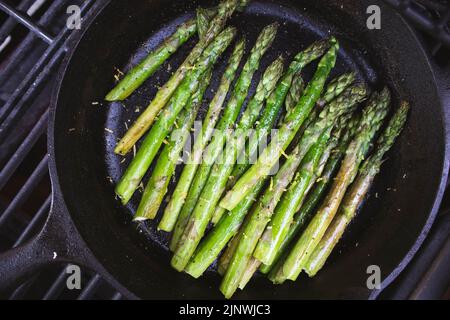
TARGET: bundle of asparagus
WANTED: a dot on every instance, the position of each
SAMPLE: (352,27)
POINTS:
(280,225)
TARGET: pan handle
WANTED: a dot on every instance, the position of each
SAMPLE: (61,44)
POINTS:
(22,262)
(57,242)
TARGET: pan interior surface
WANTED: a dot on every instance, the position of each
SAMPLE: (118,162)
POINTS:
(87,129)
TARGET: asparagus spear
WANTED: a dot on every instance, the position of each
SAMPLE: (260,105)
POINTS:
(145,120)
(138,167)
(333,90)
(259,218)
(264,41)
(336,87)
(286,133)
(204,16)
(298,187)
(218,238)
(172,210)
(371,121)
(357,192)
(254,263)
(276,100)
(256,225)
(326,174)
(235,217)
(225,258)
(165,167)
(290,84)
(138,74)
(250,270)
(292,98)
(231,112)
(220,172)
(218,177)
(271,240)
(295,93)
(228,228)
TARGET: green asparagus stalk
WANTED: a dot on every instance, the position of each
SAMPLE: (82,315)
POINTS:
(295,93)
(150,146)
(204,16)
(229,116)
(276,101)
(341,126)
(293,96)
(231,112)
(321,186)
(145,120)
(254,263)
(138,74)
(305,149)
(271,240)
(357,192)
(256,225)
(231,226)
(299,187)
(264,41)
(333,90)
(290,89)
(226,257)
(336,87)
(218,238)
(217,180)
(173,209)
(292,99)
(286,133)
(165,167)
(250,270)
(371,121)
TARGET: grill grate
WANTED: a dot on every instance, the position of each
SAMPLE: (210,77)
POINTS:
(28,66)
(26,77)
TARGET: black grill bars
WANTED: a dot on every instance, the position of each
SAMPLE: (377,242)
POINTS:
(19,104)
(432,17)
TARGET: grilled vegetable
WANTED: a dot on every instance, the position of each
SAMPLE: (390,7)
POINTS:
(357,192)
(146,119)
(264,41)
(230,115)
(333,160)
(173,209)
(138,74)
(218,178)
(278,227)
(235,217)
(310,155)
(276,101)
(165,167)
(150,146)
(371,121)
(286,133)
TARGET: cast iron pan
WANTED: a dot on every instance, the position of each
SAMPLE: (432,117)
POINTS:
(88,226)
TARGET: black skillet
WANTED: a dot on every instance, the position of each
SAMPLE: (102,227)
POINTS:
(88,226)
